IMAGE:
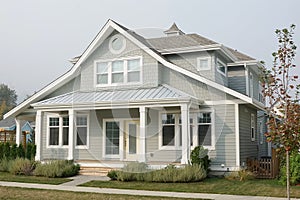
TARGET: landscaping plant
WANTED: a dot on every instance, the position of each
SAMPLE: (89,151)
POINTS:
(199,156)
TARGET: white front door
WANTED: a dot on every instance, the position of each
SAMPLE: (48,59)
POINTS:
(131,140)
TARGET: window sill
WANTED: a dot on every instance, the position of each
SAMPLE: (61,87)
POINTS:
(57,147)
(173,148)
(82,147)
(118,84)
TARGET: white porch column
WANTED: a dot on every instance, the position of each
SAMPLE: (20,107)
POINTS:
(237,136)
(18,131)
(38,135)
(71,134)
(143,126)
(186,147)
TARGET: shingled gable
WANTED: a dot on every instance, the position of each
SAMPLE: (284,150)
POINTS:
(107,29)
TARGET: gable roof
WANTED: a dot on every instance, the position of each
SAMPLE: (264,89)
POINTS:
(141,42)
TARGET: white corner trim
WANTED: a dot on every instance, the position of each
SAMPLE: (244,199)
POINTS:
(237,134)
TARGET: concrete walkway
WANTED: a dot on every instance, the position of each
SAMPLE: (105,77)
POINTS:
(64,187)
(80,179)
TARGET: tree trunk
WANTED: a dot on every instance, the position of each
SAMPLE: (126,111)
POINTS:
(288,175)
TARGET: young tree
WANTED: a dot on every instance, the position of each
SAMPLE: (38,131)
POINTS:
(8,99)
(281,93)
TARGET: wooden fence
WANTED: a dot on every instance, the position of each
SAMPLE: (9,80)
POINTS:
(10,136)
(266,168)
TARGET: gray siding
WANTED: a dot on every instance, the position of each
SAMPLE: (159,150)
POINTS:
(237,79)
(248,148)
(262,142)
(225,151)
(51,153)
(191,86)
(150,66)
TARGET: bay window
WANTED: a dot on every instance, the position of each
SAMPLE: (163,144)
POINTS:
(81,130)
(204,128)
(58,131)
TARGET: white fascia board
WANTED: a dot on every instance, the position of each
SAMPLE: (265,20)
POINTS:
(190,49)
(228,53)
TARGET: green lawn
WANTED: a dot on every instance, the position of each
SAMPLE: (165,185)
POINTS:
(34,194)
(4,176)
(211,185)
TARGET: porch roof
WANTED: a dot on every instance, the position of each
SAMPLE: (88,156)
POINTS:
(137,95)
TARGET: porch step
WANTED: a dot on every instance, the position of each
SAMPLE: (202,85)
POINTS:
(94,171)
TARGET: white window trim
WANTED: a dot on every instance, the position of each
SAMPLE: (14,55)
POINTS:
(177,131)
(195,124)
(261,132)
(208,63)
(60,132)
(224,74)
(121,122)
(125,78)
(88,131)
(111,49)
(252,125)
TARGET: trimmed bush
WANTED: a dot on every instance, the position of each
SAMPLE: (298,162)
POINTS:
(30,151)
(21,166)
(57,168)
(1,150)
(199,156)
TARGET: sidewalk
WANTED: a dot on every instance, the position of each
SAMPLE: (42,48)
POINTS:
(64,187)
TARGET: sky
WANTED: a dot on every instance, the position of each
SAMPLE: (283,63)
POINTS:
(38,37)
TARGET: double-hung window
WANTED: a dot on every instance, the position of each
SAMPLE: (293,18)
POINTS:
(82,130)
(204,124)
(252,127)
(221,67)
(168,129)
(58,131)
(122,71)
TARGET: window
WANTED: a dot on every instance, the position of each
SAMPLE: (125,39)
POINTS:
(260,93)
(65,130)
(168,129)
(81,130)
(251,84)
(112,140)
(58,131)
(134,68)
(54,131)
(123,71)
(221,67)
(102,73)
(203,64)
(117,44)
(204,128)
(261,132)
(252,127)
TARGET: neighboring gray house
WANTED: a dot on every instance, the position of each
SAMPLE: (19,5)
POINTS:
(130,98)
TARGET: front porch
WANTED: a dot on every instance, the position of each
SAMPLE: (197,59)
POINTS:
(127,126)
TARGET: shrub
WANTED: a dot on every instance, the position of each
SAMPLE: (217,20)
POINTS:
(20,151)
(241,175)
(6,150)
(13,151)
(136,167)
(199,156)
(5,165)
(57,168)
(294,169)
(112,174)
(21,166)
(30,151)
(188,173)
(1,150)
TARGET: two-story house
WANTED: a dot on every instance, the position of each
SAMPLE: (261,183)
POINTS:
(130,98)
